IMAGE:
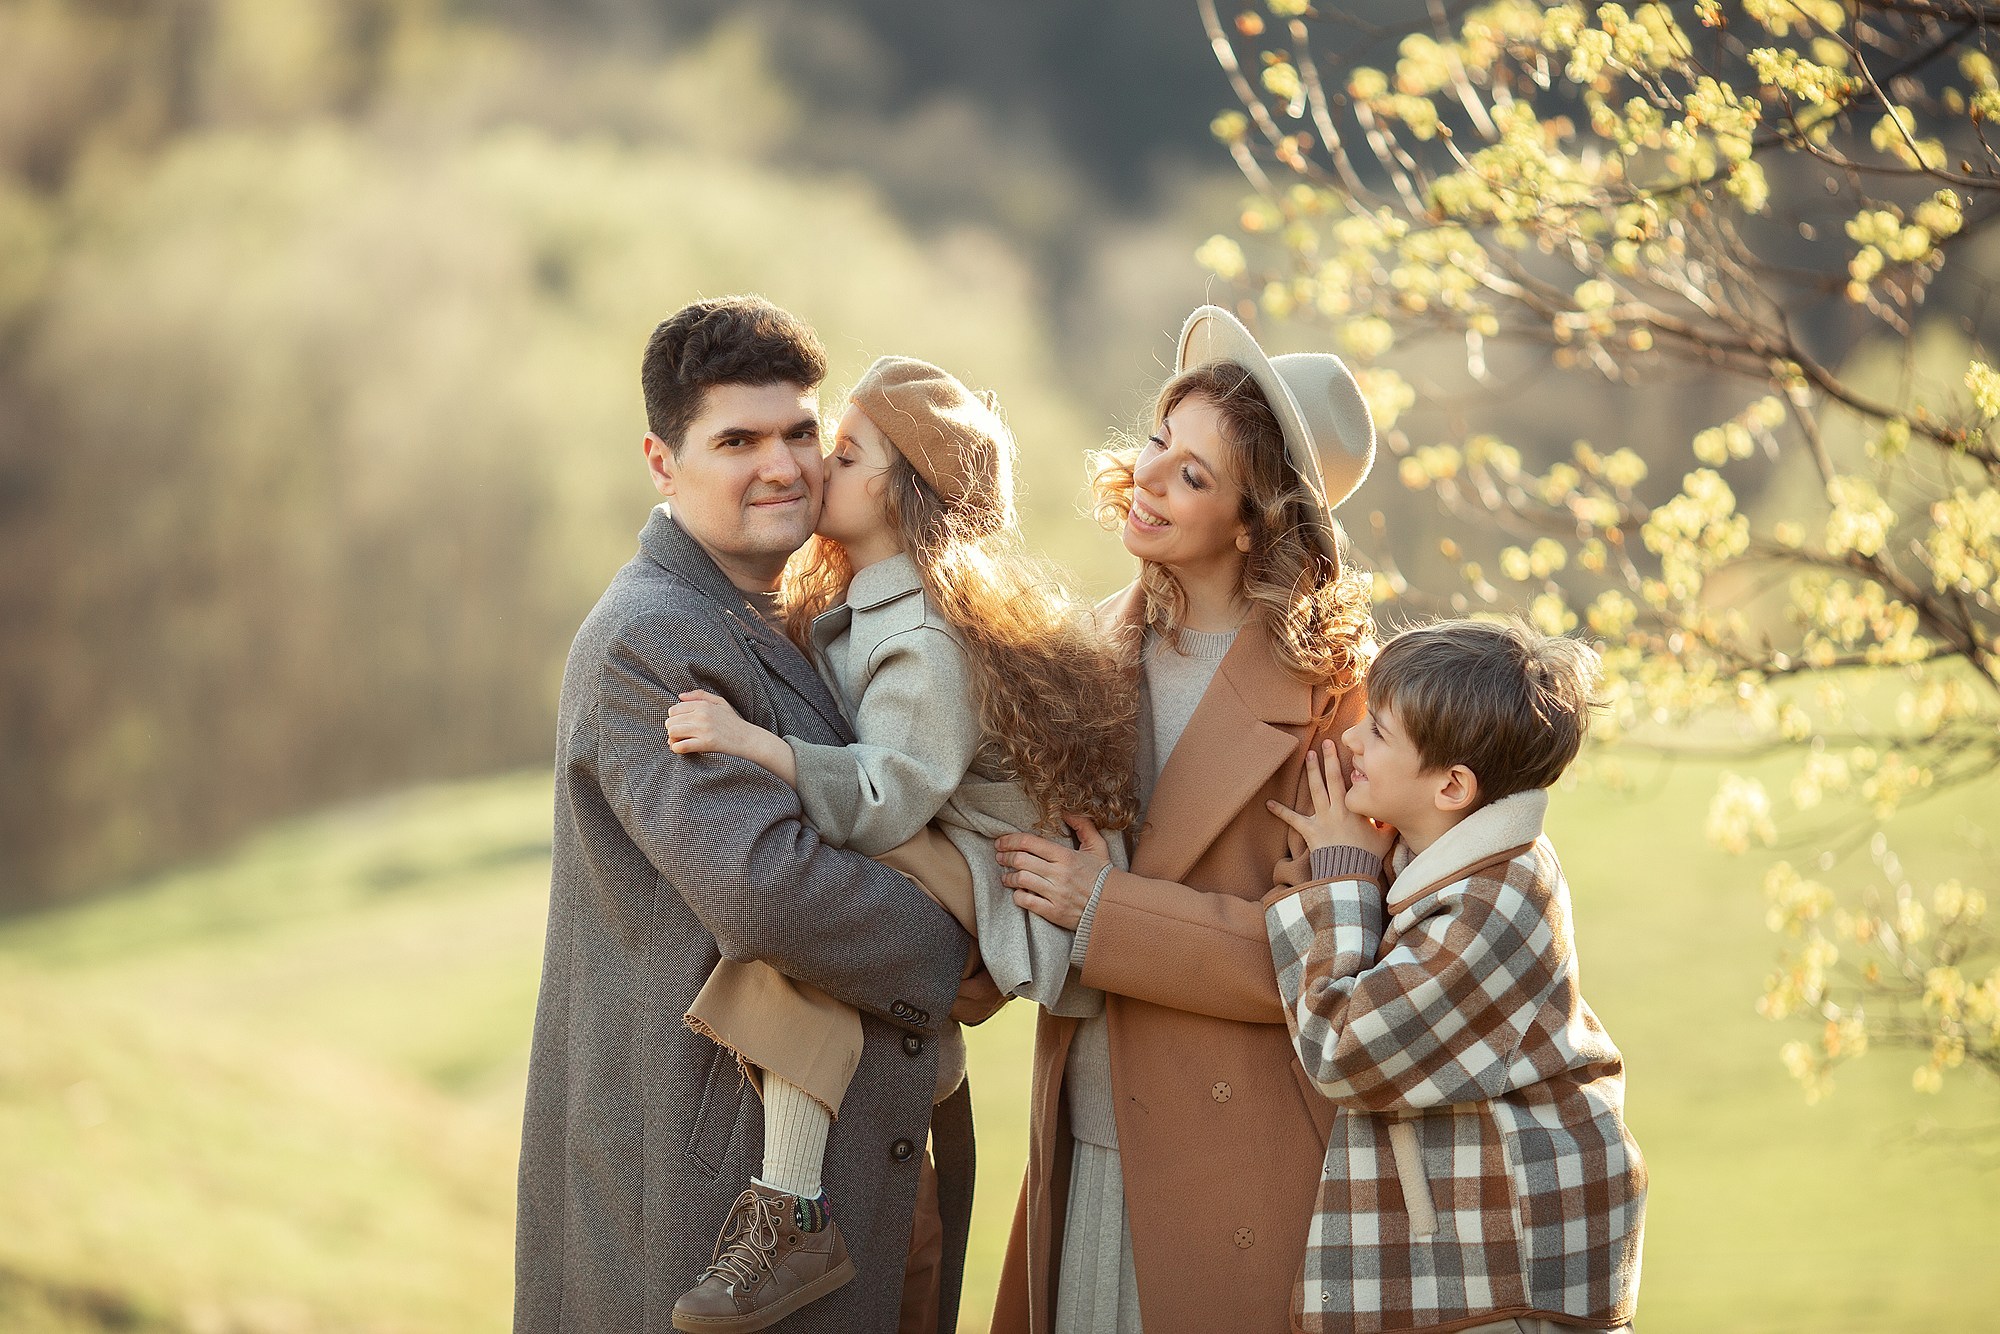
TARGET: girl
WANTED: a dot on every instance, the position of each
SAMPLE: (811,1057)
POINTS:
(1187,1196)
(979,699)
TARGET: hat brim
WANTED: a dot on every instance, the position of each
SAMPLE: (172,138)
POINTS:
(1213,334)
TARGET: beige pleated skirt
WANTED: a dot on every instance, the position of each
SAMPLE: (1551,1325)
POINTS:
(1097,1291)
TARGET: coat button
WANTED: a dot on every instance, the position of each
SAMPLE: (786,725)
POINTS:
(900,1009)
(1245,1238)
(901,1150)
(1220,1092)
(913,1045)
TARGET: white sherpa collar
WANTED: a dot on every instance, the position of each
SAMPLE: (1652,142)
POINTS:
(1509,823)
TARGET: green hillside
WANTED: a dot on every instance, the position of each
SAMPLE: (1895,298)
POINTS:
(280,1092)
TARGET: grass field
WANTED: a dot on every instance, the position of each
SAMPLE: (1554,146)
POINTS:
(280,1092)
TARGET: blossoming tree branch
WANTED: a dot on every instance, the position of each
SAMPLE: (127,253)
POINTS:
(1788,207)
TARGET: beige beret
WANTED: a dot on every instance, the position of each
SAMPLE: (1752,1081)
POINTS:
(953,437)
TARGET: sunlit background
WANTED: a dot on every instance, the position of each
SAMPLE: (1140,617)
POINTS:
(320,324)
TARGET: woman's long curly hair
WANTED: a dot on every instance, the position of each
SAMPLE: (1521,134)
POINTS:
(1053,695)
(1317,612)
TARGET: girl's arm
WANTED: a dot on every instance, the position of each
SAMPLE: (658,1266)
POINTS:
(916,732)
(701,722)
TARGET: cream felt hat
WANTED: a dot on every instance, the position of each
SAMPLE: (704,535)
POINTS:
(1329,436)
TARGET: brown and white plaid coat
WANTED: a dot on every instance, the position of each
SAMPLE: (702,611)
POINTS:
(1479,1166)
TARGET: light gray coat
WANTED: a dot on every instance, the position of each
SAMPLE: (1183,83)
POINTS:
(639,1133)
(904,680)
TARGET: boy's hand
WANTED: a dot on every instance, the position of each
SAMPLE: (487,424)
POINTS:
(701,721)
(1329,823)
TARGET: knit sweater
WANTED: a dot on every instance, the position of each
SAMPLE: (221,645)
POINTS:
(1174,684)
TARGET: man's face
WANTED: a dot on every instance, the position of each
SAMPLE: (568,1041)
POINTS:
(747,482)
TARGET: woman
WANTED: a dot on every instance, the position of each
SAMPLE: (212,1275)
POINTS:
(1175,1147)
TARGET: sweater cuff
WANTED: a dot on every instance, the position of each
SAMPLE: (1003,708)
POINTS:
(1079,945)
(1346,862)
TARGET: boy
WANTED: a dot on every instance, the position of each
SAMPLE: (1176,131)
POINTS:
(1479,1176)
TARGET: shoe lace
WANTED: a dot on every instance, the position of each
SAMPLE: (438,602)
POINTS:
(748,1242)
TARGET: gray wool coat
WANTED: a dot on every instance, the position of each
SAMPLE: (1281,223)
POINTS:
(639,1133)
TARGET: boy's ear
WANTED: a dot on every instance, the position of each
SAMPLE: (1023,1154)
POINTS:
(659,464)
(1459,791)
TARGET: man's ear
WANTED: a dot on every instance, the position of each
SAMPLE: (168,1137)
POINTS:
(660,463)
(1459,790)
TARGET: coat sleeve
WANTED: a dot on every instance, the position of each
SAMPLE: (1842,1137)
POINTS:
(1162,942)
(1203,952)
(1439,1019)
(916,737)
(727,835)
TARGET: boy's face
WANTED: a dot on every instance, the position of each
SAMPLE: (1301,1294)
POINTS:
(1391,786)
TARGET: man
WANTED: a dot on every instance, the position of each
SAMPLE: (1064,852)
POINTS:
(638,1132)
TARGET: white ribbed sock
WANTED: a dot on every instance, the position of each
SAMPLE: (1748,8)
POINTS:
(795,1127)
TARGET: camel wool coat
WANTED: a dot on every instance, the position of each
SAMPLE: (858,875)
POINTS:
(1221,1135)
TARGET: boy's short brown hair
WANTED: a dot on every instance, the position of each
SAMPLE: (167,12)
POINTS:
(726,340)
(1504,700)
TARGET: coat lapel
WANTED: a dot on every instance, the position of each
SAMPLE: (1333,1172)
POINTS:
(667,543)
(1233,744)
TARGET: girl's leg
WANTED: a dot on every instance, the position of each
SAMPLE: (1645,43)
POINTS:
(795,1128)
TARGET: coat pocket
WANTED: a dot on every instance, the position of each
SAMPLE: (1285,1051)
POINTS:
(715,1118)
(1409,1156)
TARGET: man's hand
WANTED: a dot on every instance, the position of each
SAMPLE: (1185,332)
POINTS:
(701,721)
(978,998)
(1330,824)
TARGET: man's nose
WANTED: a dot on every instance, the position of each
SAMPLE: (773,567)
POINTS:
(780,465)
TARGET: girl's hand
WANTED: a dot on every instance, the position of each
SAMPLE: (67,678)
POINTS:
(701,721)
(1049,880)
(1330,824)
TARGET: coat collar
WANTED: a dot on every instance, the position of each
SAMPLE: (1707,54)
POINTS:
(668,545)
(1232,745)
(884,582)
(1487,835)
(877,586)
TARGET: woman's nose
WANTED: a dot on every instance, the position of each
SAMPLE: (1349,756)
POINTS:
(1150,474)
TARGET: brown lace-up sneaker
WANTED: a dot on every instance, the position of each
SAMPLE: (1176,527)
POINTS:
(766,1265)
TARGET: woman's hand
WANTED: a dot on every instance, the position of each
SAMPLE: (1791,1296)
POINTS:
(1049,880)
(701,721)
(1330,824)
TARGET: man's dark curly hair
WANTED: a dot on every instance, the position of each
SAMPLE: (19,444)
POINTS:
(727,340)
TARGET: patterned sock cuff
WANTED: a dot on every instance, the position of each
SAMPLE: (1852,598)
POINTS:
(811,1215)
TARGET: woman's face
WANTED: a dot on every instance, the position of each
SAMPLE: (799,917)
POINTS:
(1187,507)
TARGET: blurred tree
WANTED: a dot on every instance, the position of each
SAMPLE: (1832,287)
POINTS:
(319,409)
(1756,204)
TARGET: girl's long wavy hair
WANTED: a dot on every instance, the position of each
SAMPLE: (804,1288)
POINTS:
(1317,612)
(1053,695)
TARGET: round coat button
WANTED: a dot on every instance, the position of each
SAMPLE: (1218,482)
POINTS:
(901,1150)
(1245,1238)
(913,1045)
(1220,1092)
